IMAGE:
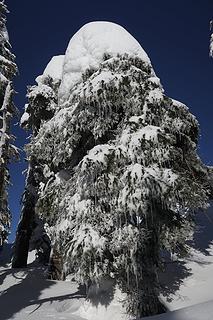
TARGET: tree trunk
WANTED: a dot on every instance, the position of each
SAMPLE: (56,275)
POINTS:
(21,247)
(145,299)
(26,223)
(55,270)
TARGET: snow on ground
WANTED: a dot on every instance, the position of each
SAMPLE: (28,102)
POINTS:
(192,279)
(27,294)
(198,286)
(190,282)
(87,48)
(203,311)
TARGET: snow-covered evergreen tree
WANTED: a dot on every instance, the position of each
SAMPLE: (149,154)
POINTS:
(121,175)
(41,107)
(7,109)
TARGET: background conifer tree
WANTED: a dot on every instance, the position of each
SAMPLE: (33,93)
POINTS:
(8,70)
(30,231)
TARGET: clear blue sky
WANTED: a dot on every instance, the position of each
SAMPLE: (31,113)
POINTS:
(175,34)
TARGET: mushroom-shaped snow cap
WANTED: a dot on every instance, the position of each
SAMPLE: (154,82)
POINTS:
(87,48)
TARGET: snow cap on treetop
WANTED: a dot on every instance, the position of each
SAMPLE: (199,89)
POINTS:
(87,48)
(53,69)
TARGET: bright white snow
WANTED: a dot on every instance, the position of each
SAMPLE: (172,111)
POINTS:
(87,48)
(53,69)
(25,116)
(203,311)
(211,46)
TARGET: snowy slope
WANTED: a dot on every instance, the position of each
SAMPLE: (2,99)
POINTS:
(197,287)
(87,48)
(195,273)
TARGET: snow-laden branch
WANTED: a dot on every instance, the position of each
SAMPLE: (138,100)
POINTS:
(5,118)
(211,40)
